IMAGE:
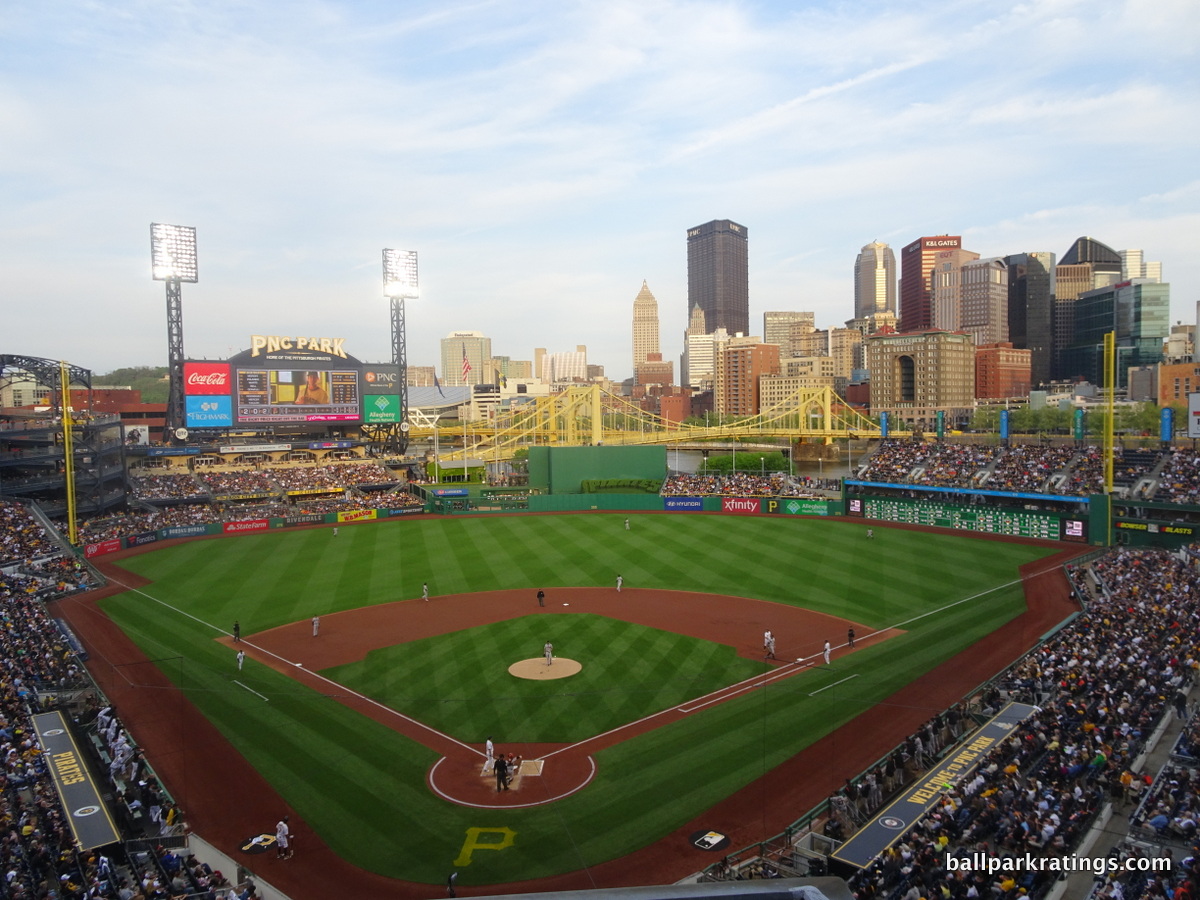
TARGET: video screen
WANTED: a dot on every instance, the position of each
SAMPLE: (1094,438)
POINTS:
(1074,530)
(264,396)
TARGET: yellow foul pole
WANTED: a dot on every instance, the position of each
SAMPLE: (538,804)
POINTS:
(1110,388)
(68,445)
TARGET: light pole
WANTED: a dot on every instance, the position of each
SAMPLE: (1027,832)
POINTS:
(762,462)
(173,260)
(400,284)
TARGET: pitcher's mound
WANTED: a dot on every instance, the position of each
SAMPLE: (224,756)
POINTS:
(539,671)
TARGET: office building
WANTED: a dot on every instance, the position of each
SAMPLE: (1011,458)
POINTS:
(917,262)
(784,329)
(699,358)
(654,370)
(466,359)
(916,375)
(1031,290)
(945,281)
(1001,371)
(719,275)
(1176,381)
(983,285)
(1134,266)
(1087,266)
(740,363)
(569,366)
(874,281)
(1138,312)
(421,376)
(645,326)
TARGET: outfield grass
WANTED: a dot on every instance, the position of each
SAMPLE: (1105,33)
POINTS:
(453,681)
(361,786)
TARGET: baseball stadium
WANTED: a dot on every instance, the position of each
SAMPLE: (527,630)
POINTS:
(325,635)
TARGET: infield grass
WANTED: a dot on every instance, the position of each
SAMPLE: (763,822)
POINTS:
(459,684)
(361,785)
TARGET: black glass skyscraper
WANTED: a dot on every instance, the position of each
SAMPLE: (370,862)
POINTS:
(719,275)
(1031,310)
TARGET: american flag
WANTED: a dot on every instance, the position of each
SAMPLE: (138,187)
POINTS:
(466,370)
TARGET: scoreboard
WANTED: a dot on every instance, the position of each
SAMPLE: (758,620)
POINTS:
(284,380)
(265,396)
(991,520)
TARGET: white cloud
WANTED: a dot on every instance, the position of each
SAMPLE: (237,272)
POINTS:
(544,159)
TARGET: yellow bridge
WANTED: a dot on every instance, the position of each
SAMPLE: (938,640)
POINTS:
(587,415)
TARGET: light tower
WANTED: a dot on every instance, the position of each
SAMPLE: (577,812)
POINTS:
(173,260)
(400,284)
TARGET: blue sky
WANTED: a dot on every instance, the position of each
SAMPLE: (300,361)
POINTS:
(545,157)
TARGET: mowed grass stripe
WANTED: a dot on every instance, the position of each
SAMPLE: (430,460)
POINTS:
(693,762)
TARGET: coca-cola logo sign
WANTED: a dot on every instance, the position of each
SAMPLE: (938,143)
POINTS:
(211,378)
(205,378)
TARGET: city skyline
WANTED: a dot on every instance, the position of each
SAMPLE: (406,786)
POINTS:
(548,159)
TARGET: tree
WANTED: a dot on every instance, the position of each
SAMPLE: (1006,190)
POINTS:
(150,380)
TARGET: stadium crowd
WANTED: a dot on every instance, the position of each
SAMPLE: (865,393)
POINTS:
(1032,469)
(225,484)
(1100,688)
(738,484)
(1026,468)
(1179,481)
(38,856)
(166,487)
(21,536)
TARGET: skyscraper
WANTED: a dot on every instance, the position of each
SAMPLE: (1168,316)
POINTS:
(874,280)
(1031,288)
(785,329)
(466,358)
(1086,266)
(984,285)
(916,293)
(1137,312)
(645,326)
(719,275)
(945,284)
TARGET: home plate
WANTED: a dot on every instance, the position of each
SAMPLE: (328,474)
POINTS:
(531,767)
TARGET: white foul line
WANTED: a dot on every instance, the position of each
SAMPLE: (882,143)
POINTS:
(835,684)
(340,687)
(251,690)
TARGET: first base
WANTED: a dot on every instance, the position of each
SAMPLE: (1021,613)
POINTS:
(566,604)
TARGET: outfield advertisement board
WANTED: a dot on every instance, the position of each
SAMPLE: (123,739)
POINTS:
(101,548)
(683,504)
(357,515)
(140,540)
(182,531)
(741,506)
(247,525)
(311,519)
(796,506)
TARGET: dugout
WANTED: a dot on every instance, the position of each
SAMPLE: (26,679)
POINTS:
(562,470)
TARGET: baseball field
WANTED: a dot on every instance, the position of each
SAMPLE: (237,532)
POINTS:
(371,733)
